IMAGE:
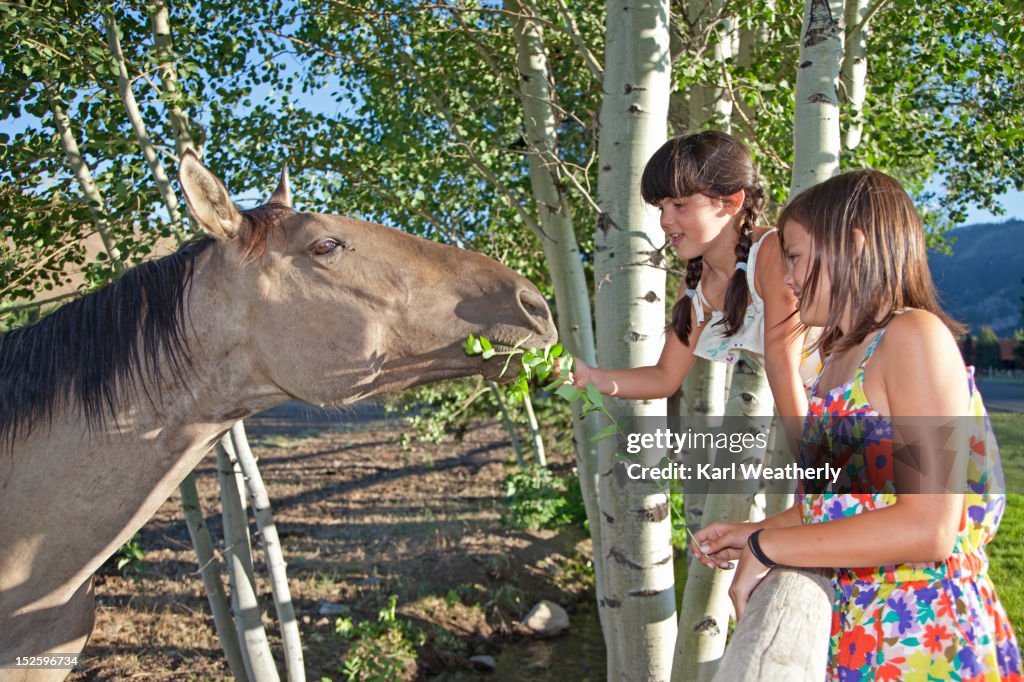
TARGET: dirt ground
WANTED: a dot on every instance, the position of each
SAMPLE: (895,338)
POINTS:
(360,520)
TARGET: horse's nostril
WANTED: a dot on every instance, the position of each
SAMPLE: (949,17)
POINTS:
(536,309)
(533,304)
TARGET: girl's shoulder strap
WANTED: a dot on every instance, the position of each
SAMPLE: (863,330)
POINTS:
(871,348)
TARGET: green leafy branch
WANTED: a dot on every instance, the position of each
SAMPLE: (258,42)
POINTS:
(542,363)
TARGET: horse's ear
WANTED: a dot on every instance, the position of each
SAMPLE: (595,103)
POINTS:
(208,199)
(283,194)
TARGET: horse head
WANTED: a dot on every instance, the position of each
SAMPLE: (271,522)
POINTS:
(334,309)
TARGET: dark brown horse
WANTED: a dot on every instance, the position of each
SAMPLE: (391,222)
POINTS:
(107,403)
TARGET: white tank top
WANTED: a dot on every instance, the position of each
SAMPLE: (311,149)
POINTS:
(714,345)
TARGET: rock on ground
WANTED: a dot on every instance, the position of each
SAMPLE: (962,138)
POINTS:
(547,619)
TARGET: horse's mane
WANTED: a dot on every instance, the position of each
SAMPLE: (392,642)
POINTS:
(96,349)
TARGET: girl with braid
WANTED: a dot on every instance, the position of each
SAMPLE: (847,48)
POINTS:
(733,298)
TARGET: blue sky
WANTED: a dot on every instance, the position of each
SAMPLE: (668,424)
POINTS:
(1013,202)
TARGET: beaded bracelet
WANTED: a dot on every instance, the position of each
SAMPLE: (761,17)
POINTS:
(755,548)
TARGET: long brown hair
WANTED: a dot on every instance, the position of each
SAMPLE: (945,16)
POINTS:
(891,272)
(714,164)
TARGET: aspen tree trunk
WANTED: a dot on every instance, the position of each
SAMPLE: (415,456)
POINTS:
(855,70)
(259,663)
(639,601)
(160,24)
(704,617)
(816,141)
(778,494)
(276,566)
(209,568)
(209,564)
(506,419)
(535,437)
(561,250)
(704,390)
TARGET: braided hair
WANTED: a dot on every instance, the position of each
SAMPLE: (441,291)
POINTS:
(714,164)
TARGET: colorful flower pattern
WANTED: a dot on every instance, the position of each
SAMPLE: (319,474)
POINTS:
(912,621)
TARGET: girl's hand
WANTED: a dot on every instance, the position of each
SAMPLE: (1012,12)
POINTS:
(580,375)
(749,575)
(718,543)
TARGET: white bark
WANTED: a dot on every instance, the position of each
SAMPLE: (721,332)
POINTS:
(535,437)
(816,141)
(209,569)
(855,70)
(161,27)
(778,495)
(704,617)
(259,663)
(506,419)
(784,633)
(639,601)
(131,106)
(557,234)
(704,391)
(792,611)
(276,566)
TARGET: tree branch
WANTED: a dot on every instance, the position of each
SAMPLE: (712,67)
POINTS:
(577,39)
(131,107)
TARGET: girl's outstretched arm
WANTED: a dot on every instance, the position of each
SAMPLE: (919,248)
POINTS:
(645,383)
(919,378)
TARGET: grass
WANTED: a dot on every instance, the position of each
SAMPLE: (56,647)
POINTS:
(1006,554)
(1009,428)
(1006,551)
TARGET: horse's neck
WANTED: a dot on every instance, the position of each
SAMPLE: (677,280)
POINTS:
(70,494)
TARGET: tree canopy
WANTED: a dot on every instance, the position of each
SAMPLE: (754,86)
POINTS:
(411,114)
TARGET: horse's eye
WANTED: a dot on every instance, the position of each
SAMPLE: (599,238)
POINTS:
(322,248)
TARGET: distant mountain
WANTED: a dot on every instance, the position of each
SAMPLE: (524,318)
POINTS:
(980,284)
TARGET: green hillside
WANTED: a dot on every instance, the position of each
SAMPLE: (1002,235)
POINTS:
(980,284)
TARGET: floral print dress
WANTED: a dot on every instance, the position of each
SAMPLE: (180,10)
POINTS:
(911,621)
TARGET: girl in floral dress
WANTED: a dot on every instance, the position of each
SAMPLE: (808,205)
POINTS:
(896,410)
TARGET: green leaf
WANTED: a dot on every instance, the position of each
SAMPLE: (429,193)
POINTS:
(607,431)
(556,384)
(568,392)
